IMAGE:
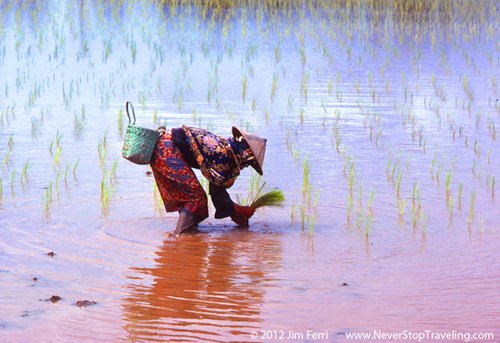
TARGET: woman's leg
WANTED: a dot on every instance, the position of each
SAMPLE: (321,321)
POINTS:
(178,185)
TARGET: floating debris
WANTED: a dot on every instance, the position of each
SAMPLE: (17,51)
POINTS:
(85,303)
(53,299)
(51,254)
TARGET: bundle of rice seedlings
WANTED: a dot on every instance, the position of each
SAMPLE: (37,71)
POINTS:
(271,198)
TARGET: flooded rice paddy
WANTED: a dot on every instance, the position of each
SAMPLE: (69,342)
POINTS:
(381,122)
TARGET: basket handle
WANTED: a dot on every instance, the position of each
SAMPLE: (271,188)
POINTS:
(128,103)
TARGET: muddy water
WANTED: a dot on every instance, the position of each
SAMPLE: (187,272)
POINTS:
(394,228)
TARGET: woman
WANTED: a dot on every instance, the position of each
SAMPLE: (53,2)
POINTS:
(220,161)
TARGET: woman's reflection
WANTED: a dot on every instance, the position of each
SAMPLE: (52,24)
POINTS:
(204,287)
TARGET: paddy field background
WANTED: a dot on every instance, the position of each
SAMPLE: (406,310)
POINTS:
(381,119)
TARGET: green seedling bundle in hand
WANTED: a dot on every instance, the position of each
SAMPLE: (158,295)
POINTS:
(274,197)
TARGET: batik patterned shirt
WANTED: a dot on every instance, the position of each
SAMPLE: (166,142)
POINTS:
(215,156)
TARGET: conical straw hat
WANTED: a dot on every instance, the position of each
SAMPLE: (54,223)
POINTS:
(257,145)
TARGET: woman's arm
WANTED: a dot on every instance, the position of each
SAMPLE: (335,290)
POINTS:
(225,207)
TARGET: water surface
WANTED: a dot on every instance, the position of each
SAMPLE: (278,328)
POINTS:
(394,109)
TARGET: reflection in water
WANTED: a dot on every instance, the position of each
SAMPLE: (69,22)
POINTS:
(203,287)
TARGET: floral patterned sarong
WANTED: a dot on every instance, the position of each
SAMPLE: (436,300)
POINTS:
(178,185)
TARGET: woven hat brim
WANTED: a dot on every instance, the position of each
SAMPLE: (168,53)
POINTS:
(257,145)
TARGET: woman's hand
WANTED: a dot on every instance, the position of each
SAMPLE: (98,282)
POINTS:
(242,214)
(243,211)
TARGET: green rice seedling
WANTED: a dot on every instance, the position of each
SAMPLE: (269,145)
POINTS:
(24,172)
(311,220)
(274,86)
(1,190)
(294,208)
(49,193)
(243,87)
(58,177)
(392,172)
(290,103)
(459,196)
(346,163)
(307,194)
(302,116)
(448,181)
(360,197)
(414,194)
(74,167)
(133,51)
(142,99)
(204,184)
(415,214)
(274,197)
(120,122)
(10,143)
(112,174)
(398,186)
(156,197)
(305,175)
(360,219)
(449,204)
(58,138)
(66,170)
(35,127)
(368,225)
(401,203)
(45,204)
(155,116)
(493,188)
(107,190)
(13,176)
(255,186)
(388,167)
(351,179)
(370,202)
(338,139)
(316,199)
(57,155)
(350,202)
(323,104)
(101,150)
(302,216)
(471,208)
(194,115)
(377,138)
(6,159)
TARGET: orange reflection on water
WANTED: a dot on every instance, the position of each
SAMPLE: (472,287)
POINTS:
(203,287)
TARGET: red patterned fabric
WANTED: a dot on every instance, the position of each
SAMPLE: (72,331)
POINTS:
(179,188)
